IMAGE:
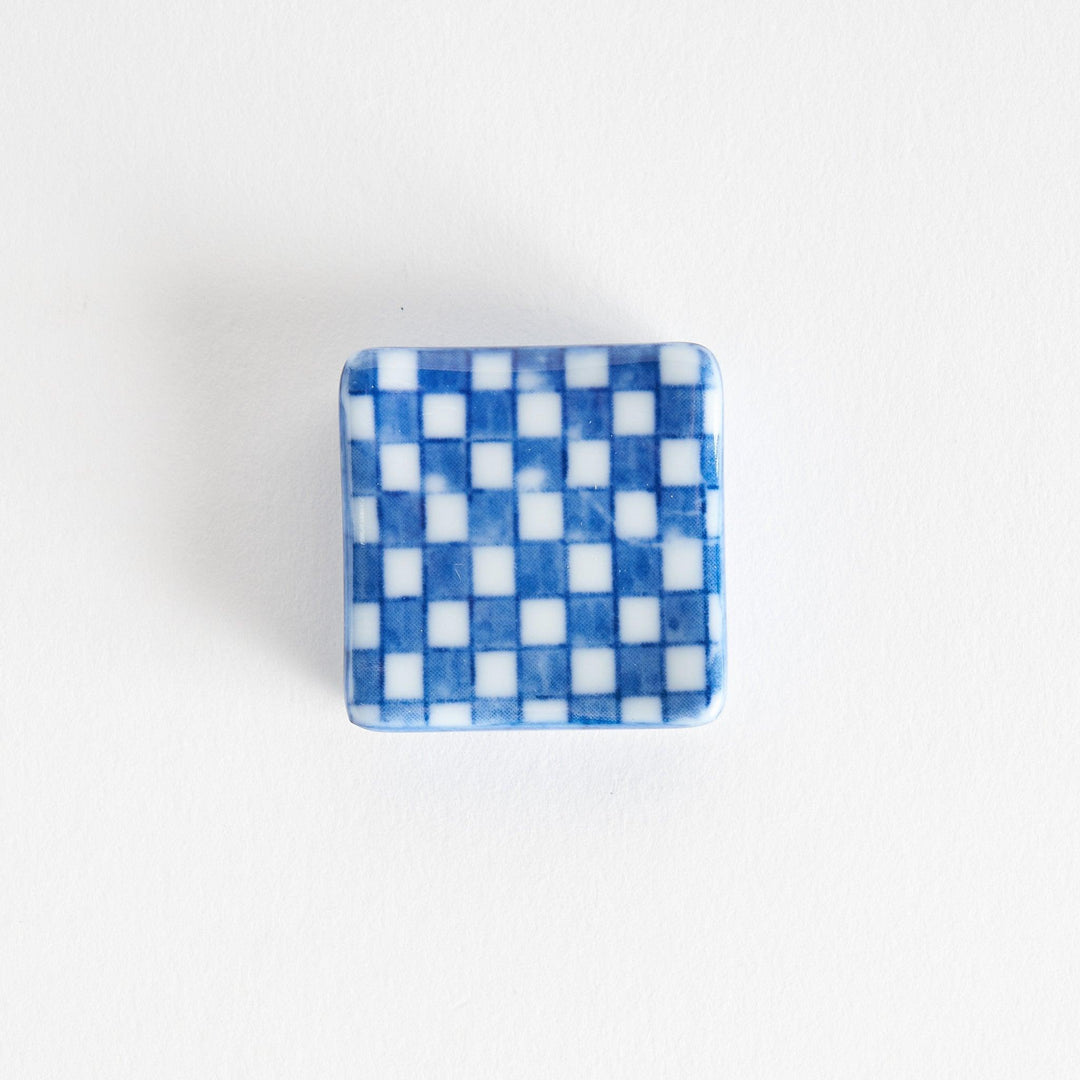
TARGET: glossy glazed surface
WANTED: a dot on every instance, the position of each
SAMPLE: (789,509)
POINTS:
(533,537)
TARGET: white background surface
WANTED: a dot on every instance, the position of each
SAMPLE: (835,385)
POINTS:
(868,867)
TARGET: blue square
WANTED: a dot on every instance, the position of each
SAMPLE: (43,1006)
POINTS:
(545,673)
(403,714)
(683,707)
(400,521)
(633,367)
(447,571)
(448,675)
(360,372)
(710,374)
(682,512)
(679,412)
(637,569)
(590,620)
(366,572)
(594,709)
(640,670)
(539,464)
(496,712)
(538,369)
(587,514)
(633,462)
(397,417)
(587,414)
(541,569)
(491,414)
(363,468)
(402,626)
(713,561)
(683,617)
(444,466)
(367,677)
(491,517)
(444,371)
(494,623)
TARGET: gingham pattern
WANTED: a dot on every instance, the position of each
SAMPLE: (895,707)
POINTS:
(533,536)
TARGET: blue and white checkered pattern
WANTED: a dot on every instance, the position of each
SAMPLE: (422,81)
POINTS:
(533,537)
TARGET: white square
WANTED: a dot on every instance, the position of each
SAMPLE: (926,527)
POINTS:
(454,714)
(403,676)
(365,715)
(399,467)
(365,519)
(530,379)
(683,567)
(539,416)
(493,571)
(592,671)
(444,416)
(640,710)
(590,567)
(586,367)
(716,618)
(712,411)
(535,478)
(544,712)
(397,369)
(543,622)
(639,619)
(496,674)
(588,464)
(364,627)
(491,369)
(712,513)
(684,667)
(448,624)
(360,417)
(402,572)
(680,462)
(446,518)
(634,412)
(540,516)
(434,483)
(680,364)
(492,465)
(635,514)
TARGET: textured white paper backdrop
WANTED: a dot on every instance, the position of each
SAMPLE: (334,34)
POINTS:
(868,867)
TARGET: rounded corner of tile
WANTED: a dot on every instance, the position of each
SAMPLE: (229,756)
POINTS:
(363,360)
(365,717)
(716,705)
(711,362)
(708,715)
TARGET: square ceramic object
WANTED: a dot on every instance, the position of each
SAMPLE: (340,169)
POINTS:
(533,537)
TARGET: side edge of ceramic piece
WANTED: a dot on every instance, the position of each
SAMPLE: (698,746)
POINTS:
(361,715)
(718,647)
